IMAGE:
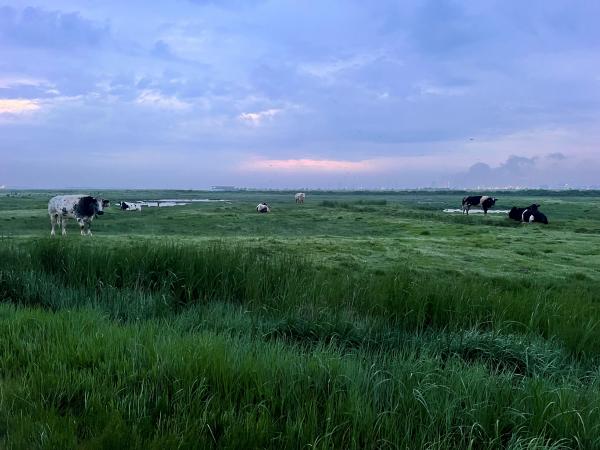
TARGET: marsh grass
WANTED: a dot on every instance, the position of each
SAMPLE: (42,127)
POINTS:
(76,377)
(169,277)
(397,338)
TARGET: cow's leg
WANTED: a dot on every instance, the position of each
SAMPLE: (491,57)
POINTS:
(485,210)
(88,226)
(53,221)
(63,224)
(81,226)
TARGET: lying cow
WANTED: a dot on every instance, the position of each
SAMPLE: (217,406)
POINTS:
(529,214)
(263,208)
(481,201)
(82,208)
(299,197)
(128,206)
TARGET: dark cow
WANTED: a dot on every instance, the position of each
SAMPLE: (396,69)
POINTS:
(82,208)
(530,214)
(482,201)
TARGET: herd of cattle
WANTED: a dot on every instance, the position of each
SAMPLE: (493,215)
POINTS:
(84,208)
(529,214)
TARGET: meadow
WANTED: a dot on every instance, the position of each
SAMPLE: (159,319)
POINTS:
(356,320)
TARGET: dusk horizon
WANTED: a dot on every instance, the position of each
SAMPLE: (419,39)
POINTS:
(263,94)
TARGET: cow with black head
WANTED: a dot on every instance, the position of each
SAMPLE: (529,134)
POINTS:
(484,202)
(82,208)
(130,206)
(263,208)
(528,215)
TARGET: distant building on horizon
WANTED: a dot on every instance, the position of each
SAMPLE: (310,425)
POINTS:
(224,188)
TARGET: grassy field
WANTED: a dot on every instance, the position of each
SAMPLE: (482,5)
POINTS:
(357,320)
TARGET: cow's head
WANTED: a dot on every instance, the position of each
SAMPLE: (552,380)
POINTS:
(514,213)
(89,206)
(494,200)
(100,204)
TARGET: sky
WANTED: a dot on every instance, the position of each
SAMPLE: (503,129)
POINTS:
(308,94)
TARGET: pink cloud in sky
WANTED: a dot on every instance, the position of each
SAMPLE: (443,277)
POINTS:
(17,106)
(324,165)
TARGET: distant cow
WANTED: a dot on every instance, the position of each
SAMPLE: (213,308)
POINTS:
(300,196)
(263,208)
(82,208)
(129,206)
(482,201)
(530,214)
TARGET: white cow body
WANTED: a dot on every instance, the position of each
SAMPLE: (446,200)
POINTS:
(263,208)
(299,197)
(130,206)
(82,208)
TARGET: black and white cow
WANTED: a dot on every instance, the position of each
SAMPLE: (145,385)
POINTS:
(129,206)
(530,214)
(82,208)
(481,201)
(263,208)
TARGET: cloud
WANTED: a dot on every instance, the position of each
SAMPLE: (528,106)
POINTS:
(321,165)
(444,26)
(257,118)
(155,99)
(163,50)
(330,70)
(556,156)
(552,170)
(227,3)
(7,82)
(18,106)
(427,88)
(37,27)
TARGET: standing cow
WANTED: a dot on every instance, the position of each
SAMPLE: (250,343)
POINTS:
(82,208)
(529,214)
(263,208)
(482,201)
(299,197)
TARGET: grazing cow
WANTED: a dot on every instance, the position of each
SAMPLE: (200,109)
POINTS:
(529,214)
(482,201)
(299,197)
(128,206)
(82,208)
(263,208)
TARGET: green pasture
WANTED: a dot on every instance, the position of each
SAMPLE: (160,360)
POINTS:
(356,320)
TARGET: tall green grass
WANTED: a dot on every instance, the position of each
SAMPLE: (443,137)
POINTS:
(170,277)
(73,379)
(173,346)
